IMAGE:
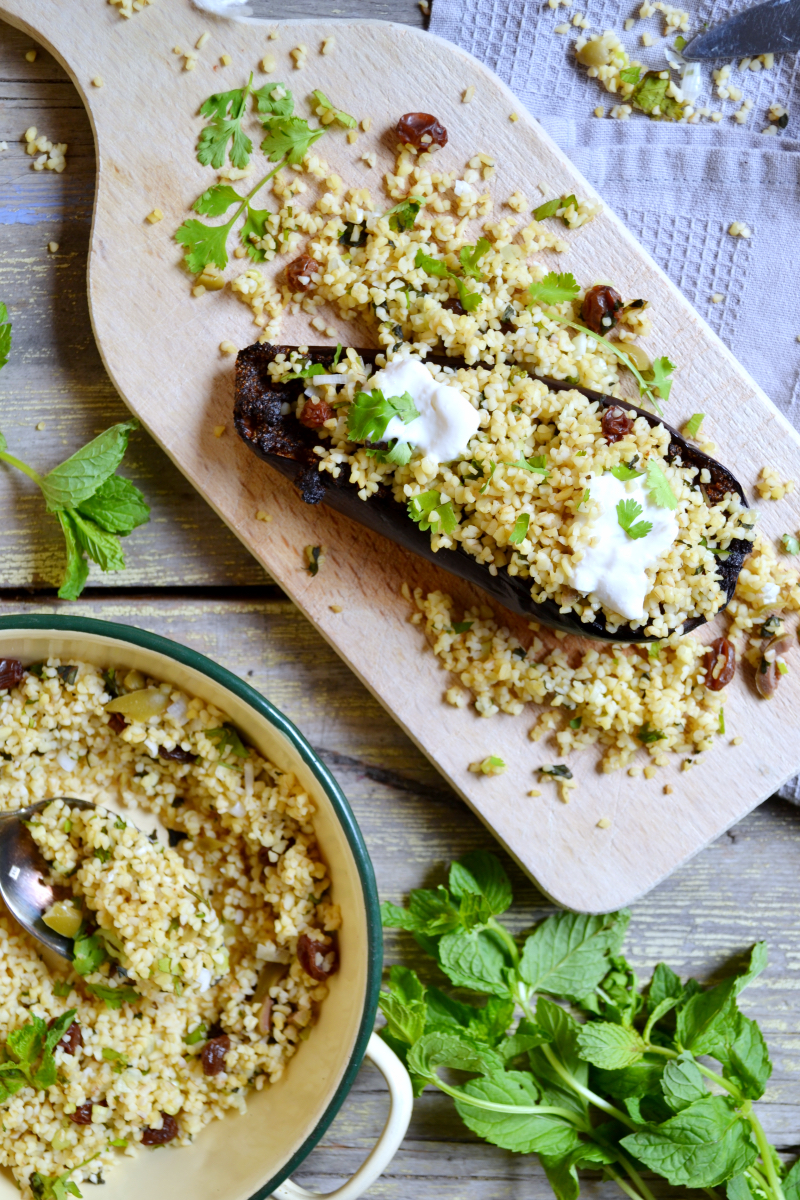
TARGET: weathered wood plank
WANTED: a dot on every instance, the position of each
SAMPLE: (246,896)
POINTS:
(742,888)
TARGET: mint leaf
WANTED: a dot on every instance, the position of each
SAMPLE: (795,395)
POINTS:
(554,288)
(371,412)
(700,1147)
(216,200)
(562,1029)
(5,346)
(526,1133)
(45,1074)
(745,1057)
(470,256)
(682,1084)
(404,1005)
(226,110)
(474,960)
(627,512)
(80,475)
(480,873)
(705,1017)
(59,1028)
(100,546)
(692,426)
(444,1010)
(117,506)
(624,473)
(290,138)
(204,244)
(454,1050)
(610,1046)
(791,1184)
(342,118)
(77,569)
(489,1024)
(520,530)
(659,487)
(270,105)
(469,300)
(25,1044)
(403,215)
(567,955)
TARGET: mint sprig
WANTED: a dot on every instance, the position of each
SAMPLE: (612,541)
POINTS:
(624,1083)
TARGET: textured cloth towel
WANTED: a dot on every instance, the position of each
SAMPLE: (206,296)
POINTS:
(676,187)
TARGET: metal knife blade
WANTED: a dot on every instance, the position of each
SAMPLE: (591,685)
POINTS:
(771,28)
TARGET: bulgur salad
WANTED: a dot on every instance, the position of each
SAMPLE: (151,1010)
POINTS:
(199,959)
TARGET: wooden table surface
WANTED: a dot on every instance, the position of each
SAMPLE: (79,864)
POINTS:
(190,579)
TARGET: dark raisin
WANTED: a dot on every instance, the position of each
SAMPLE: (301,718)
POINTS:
(178,802)
(177,755)
(11,672)
(421,130)
(71,1040)
(213,1055)
(160,1137)
(717,490)
(67,674)
(600,307)
(319,959)
(300,269)
(263,855)
(315,413)
(82,1114)
(783,121)
(616,424)
(215,1030)
(117,722)
(454,305)
(722,664)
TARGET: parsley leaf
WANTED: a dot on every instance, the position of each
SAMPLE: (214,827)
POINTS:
(790,543)
(273,100)
(623,472)
(661,382)
(432,510)
(255,227)
(627,512)
(204,244)
(692,426)
(57,1187)
(228,741)
(434,266)
(88,953)
(307,371)
(404,214)
(554,289)
(631,74)
(216,200)
(371,413)
(342,118)
(536,465)
(659,487)
(226,110)
(520,530)
(290,138)
(469,257)
(650,95)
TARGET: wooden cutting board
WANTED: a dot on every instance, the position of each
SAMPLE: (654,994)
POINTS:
(161,348)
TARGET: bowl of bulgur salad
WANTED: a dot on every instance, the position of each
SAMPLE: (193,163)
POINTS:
(222,910)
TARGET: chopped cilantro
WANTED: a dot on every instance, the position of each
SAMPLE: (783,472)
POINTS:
(680,43)
(575,723)
(273,100)
(289,139)
(432,510)
(658,487)
(631,74)
(554,289)
(404,214)
(536,465)
(548,209)
(113,997)
(435,267)
(584,498)
(116,1058)
(520,530)
(623,472)
(88,953)
(469,257)
(692,426)
(559,771)
(790,543)
(371,413)
(654,649)
(647,736)
(56,1187)
(224,132)
(119,1143)
(488,480)
(627,512)
(342,118)
(227,738)
(62,988)
(198,1034)
(661,382)
(782,667)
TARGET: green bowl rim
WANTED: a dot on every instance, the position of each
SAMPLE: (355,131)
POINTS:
(355,839)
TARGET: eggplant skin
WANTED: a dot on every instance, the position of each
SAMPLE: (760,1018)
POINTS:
(287,445)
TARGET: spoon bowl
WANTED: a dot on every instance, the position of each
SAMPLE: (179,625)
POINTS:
(23,886)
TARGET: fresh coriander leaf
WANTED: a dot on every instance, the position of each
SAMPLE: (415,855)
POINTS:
(469,300)
(216,200)
(520,530)
(567,955)
(527,1132)
(627,512)
(647,736)
(631,74)
(77,569)
(255,226)
(431,511)
(100,546)
(554,289)
(271,105)
(354,234)
(204,244)
(224,132)
(290,138)
(62,988)
(307,371)
(474,960)
(623,472)
(56,1187)
(462,626)
(5,347)
(790,543)
(682,1084)
(454,1050)
(371,413)
(609,1046)
(79,476)
(659,487)
(548,209)
(228,742)
(692,426)
(557,771)
(480,873)
(700,1147)
(403,215)
(650,95)
(342,118)
(117,506)
(114,997)
(88,953)
(661,382)
(488,479)
(470,256)
(536,465)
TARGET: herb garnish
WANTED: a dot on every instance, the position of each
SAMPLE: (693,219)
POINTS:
(520,530)
(312,559)
(228,741)
(559,771)
(623,1086)
(627,512)
(113,997)
(551,207)
(468,257)
(432,510)
(536,465)
(58,1187)
(659,487)
(631,74)
(554,288)
(461,626)
(692,426)
(404,214)
(336,114)
(29,1060)
(118,1061)
(647,736)
(790,543)
(369,417)
(198,1034)
(624,473)
(94,507)
(650,95)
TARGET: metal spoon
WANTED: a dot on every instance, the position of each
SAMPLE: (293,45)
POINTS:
(22,886)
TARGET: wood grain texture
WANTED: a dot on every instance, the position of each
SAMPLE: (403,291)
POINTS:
(744,887)
(156,340)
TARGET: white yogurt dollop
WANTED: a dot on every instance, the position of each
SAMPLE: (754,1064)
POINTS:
(446,420)
(614,565)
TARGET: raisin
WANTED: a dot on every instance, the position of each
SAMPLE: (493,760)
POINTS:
(213,1055)
(454,305)
(421,130)
(82,1114)
(160,1137)
(722,649)
(600,307)
(11,672)
(315,413)
(616,424)
(117,722)
(318,959)
(300,269)
(716,490)
(71,1040)
(177,755)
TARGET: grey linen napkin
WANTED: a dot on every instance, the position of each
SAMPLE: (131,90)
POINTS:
(676,187)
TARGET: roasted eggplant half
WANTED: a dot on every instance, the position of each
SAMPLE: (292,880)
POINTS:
(282,441)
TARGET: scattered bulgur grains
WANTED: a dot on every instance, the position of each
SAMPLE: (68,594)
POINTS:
(328,46)
(369,157)
(629,24)
(513,116)
(30,56)
(769,486)
(739,229)
(366,124)
(219,431)
(518,201)
(97,81)
(737,741)
(128,7)
(352,136)
(717,297)
(534,792)
(189,62)
(272,36)
(48,156)
(268,64)
(52,247)
(201,41)
(600,111)
(225,60)
(155,216)
(468,95)
(565,28)
(299,55)
(488,766)
(228,348)
(604,823)
(40,426)
(668,789)
(263,516)
(335,608)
